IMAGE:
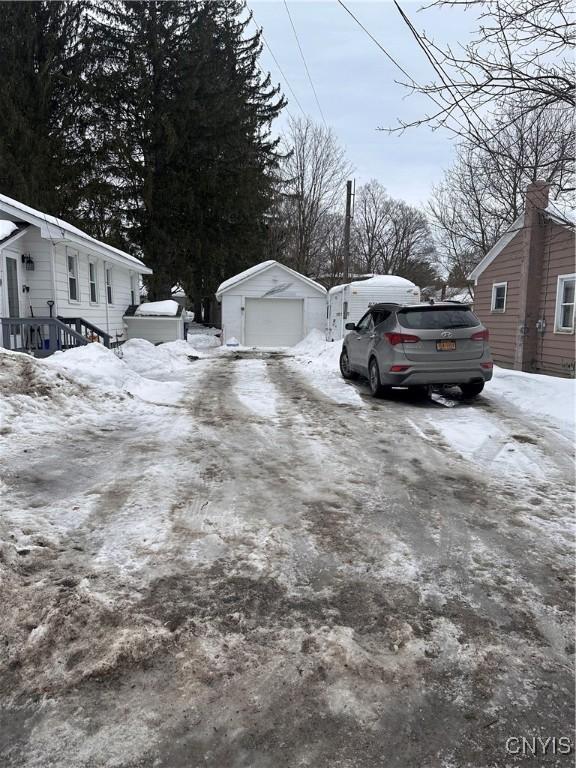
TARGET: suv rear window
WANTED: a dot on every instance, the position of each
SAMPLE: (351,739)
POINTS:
(430,319)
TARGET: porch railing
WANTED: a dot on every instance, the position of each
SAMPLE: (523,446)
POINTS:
(40,336)
(87,329)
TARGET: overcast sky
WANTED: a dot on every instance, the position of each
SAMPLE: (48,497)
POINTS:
(357,85)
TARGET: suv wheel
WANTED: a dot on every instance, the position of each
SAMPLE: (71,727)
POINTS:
(345,370)
(374,379)
(472,389)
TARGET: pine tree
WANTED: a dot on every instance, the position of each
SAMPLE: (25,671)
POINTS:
(43,150)
(185,115)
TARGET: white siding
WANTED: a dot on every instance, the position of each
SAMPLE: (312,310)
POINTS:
(272,283)
(108,317)
(231,317)
(359,300)
(38,280)
(155,329)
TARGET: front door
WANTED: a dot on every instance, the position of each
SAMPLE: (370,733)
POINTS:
(12,290)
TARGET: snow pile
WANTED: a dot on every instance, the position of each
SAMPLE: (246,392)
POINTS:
(203,340)
(97,366)
(36,398)
(202,337)
(168,308)
(145,358)
(547,397)
(319,360)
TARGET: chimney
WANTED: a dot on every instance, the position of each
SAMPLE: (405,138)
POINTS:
(536,200)
(537,195)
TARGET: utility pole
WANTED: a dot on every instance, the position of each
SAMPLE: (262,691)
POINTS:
(347,231)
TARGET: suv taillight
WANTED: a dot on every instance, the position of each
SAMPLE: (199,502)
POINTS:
(401,338)
(481,335)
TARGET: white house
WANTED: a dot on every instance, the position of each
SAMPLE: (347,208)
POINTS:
(58,286)
(271,305)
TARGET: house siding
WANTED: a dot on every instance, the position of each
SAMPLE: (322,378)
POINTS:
(503,326)
(38,280)
(554,352)
(48,281)
(275,283)
(108,317)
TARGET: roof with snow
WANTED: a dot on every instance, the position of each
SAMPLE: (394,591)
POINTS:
(387,281)
(166,308)
(258,269)
(56,230)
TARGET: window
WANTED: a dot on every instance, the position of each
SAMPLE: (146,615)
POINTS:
(366,323)
(72,259)
(435,318)
(345,310)
(565,304)
(109,285)
(92,281)
(499,297)
(380,316)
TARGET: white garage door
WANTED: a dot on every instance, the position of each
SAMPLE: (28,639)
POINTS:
(273,322)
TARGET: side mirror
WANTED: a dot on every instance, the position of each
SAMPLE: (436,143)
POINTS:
(350,326)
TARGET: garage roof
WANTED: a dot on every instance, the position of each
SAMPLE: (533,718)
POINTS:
(262,267)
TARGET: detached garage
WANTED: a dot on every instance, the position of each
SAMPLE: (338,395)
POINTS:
(271,305)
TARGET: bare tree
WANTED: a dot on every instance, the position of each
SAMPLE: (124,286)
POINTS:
(314,176)
(372,217)
(482,193)
(391,237)
(522,48)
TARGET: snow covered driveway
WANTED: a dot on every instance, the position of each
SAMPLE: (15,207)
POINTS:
(273,569)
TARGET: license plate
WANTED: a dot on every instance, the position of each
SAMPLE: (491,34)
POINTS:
(446,346)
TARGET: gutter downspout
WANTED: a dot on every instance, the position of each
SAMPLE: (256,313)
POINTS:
(106,298)
(54,292)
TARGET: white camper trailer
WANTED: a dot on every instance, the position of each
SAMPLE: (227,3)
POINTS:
(347,303)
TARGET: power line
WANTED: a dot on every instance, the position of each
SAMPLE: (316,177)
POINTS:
(305,65)
(260,29)
(450,85)
(446,108)
(374,40)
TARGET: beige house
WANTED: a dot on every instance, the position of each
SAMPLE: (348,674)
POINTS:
(524,289)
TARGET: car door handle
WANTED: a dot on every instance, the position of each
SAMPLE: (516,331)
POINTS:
(372,336)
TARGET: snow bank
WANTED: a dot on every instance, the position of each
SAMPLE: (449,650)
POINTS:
(97,366)
(318,360)
(547,397)
(202,337)
(203,340)
(145,358)
(168,308)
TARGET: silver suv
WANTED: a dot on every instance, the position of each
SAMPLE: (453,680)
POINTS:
(419,345)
